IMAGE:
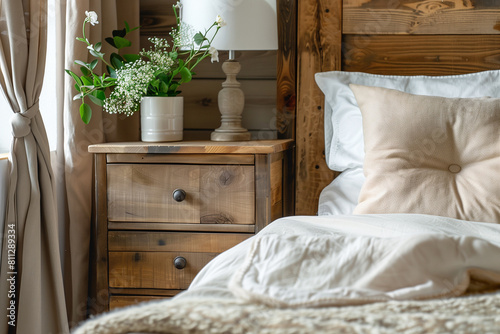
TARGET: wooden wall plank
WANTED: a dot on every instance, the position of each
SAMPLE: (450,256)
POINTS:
(98,273)
(417,54)
(421,17)
(319,49)
(201,110)
(157,17)
(286,68)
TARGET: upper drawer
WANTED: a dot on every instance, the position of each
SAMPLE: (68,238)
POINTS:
(215,194)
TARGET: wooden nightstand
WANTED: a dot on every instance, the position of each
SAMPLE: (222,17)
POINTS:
(163,210)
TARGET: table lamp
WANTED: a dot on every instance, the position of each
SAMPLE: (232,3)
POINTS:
(250,25)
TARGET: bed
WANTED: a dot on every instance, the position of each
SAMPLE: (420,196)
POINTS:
(396,115)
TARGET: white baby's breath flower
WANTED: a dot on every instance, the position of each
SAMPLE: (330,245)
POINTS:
(156,71)
(183,35)
(214,54)
(220,22)
(91,17)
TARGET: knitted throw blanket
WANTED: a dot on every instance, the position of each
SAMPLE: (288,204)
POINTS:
(472,314)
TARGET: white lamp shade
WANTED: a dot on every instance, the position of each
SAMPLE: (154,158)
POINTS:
(251,24)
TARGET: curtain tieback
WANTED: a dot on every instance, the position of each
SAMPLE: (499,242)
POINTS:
(21,121)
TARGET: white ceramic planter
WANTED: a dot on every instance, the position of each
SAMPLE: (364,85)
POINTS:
(162,118)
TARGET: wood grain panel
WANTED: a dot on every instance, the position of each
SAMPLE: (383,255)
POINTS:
(157,17)
(144,292)
(276,181)
(195,147)
(289,183)
(262,191)
(319,49)
(201,110)
(98,270)
(132,226)
(154,270)
(227,195)
(432,17)
(206,159)
(215,194)
(123,301)
(149,241)
(144,193)
(287,68)
(417,54)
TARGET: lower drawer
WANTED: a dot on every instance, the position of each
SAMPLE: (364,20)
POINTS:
(154,270)
(146,259)
(122,301)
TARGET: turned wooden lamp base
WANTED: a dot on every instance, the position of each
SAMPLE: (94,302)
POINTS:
(230,136)
(231,103)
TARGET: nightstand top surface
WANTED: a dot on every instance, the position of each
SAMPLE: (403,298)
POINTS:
(196,147)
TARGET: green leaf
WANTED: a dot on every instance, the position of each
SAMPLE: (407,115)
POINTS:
(85,113)
(121,42)
(155,84)
(116,60)
(85,70)
(120,33)
(173,87)
(179,68)
(127,27)
(81,63)
(173,55)
(163,87)
(199,38)
(111,71)
(75,77)
(100,95)
(86,81)
(116,63)
(82,39)
(186,74)
(110,41)
(96,98)
(130,30)
(93,64)
(78,88)
(97,80)
(98,46)
(109,80)
(131,57)
(96,54)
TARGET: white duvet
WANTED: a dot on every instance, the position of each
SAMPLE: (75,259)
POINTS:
(348,260)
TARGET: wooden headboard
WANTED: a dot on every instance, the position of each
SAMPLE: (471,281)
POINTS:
(406,37)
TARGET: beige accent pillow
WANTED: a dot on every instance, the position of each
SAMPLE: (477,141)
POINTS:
(430,155)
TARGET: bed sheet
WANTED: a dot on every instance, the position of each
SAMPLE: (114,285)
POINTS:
(446,279)
(355,259)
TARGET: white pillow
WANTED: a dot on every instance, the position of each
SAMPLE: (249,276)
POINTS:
(341,196)
(344,148)
(343,127)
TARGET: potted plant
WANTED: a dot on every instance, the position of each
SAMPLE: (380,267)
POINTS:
(131,81)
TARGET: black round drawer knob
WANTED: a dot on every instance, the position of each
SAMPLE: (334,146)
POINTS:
(179,195)
(180,262)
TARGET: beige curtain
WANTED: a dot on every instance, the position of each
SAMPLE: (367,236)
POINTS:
(74,163)
(31,280)
(44,263)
